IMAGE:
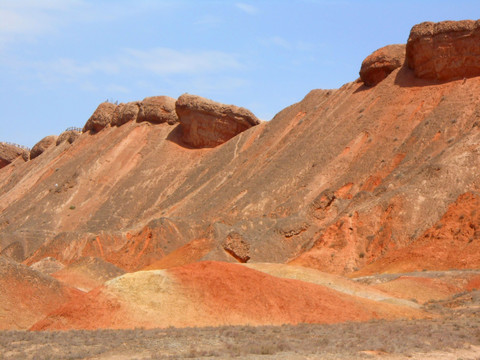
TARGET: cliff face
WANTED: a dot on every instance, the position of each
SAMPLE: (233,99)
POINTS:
(335,182)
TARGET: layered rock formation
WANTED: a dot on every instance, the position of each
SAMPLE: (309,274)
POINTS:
(393,158)
(381,63)
(206,123)
(444,51)
(353,181)
(9,152)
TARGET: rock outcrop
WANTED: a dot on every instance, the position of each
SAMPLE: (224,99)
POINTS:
(9,152)
(446,50)
(101,117)
(125,112)
(154,109)
(157,110)
(206,123)
(69,136)
(378,65)
(40,147)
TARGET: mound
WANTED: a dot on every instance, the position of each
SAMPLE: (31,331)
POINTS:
(26,295)
(335,282)
(420,288)
(212,294)
(87,273)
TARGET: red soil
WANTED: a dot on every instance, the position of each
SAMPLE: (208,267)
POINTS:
(236,292)
(212,294)
(184,255)
(94,310)
(420,289)
(26,295)
(452,243)
(474,283)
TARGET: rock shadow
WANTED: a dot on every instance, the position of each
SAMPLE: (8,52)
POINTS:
(176,136)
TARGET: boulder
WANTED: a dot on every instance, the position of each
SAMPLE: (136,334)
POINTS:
(70,136)
(125,113)
(381,63)
(9,152)
(444,51)
(237,247)
(117,115)
(42,145)
(158,109)
(101,117)
(206,123)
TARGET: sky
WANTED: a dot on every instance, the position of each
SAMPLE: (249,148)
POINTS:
(59,59)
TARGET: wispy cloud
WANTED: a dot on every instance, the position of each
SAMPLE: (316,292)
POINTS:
(165,61)
(248,8)
(28,19)
(201,71)
(281,42)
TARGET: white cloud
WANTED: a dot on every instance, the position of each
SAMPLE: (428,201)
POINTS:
(207,70)
(249,9)
(165,61)
(28,19)
(278,41)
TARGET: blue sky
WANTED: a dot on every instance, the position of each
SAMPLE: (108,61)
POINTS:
(60,58)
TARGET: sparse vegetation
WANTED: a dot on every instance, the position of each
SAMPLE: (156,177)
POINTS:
(457,329)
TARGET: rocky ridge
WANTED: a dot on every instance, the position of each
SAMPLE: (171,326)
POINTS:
(353,181)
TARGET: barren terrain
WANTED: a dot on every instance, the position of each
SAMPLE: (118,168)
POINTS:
(453,332)
(348,226)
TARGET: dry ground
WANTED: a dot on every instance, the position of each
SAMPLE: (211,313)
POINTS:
(452,333)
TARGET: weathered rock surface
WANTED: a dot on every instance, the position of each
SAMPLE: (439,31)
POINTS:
(378,65)
(101,117)
(42,145)
(444,51)
(236,246)
(9,152)
(391,161)
(125,112)
(206,123)
(69,136)
(158,110)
